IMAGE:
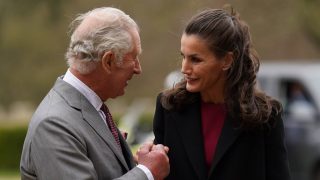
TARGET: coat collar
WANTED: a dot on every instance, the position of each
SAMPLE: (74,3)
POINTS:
(188,123)
(76,100)
(228,136)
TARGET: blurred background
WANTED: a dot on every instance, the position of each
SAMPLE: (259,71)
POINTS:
(34,37)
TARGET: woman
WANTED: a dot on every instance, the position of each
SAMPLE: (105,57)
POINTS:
(216,123)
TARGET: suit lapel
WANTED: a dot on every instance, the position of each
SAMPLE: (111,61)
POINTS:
(76,100)
(228,136)
(188,123)
(91,115)
(126,152)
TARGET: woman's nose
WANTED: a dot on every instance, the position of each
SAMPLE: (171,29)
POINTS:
(185,69)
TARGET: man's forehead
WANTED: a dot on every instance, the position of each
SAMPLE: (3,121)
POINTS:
(136,41)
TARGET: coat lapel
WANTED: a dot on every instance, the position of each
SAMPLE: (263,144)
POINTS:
(76,100)
(228,136)
(188,123)
(91,115)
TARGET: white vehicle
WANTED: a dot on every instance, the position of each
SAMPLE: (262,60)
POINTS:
(297,86)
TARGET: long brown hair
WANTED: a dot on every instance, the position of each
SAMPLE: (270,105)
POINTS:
(224,32)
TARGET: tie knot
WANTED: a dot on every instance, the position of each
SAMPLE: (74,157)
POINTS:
(107,113)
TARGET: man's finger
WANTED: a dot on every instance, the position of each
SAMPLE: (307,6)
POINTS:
(159,147)
(145,148)
(166,148)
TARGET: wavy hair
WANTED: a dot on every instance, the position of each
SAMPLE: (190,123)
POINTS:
(224,32)
(95,32)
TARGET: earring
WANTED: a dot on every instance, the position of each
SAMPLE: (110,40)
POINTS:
(225,68)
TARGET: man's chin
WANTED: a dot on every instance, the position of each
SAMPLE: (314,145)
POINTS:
(119,94)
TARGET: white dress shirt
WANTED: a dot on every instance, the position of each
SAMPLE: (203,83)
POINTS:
(95,100)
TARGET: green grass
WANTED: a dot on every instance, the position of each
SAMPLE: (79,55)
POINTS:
(9,175)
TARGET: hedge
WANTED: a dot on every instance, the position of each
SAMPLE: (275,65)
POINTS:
(11,142)
(12,138)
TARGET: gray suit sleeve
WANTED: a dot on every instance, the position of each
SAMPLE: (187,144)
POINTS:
(58,152)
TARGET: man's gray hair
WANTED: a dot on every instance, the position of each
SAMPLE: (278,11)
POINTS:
(97,31)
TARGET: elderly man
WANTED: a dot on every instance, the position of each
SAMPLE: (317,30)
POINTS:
(72,134)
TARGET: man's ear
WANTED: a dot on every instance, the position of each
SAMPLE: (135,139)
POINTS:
(228,60)
(107,59)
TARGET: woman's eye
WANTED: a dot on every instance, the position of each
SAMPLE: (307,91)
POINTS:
(195,60)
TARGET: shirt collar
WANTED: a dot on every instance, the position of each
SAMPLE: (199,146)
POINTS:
(93,98)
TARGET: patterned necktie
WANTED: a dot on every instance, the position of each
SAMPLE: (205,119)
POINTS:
(110,123)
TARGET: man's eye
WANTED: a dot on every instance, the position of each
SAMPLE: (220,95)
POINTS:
(182,56)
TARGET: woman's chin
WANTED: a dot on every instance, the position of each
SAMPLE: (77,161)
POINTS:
(191,89)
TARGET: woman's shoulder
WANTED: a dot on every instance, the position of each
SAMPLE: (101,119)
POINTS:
(274,121)
(178,101)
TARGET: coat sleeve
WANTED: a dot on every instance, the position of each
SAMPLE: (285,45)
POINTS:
(158,122)
(277,166)
(57,152)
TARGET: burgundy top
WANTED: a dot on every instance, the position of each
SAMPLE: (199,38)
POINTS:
(212,116)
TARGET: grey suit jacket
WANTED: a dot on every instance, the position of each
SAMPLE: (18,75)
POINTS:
(67,139)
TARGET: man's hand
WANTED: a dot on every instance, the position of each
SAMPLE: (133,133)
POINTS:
(155,158)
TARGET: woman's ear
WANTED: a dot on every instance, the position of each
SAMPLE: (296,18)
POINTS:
(228,60)
(107,59)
